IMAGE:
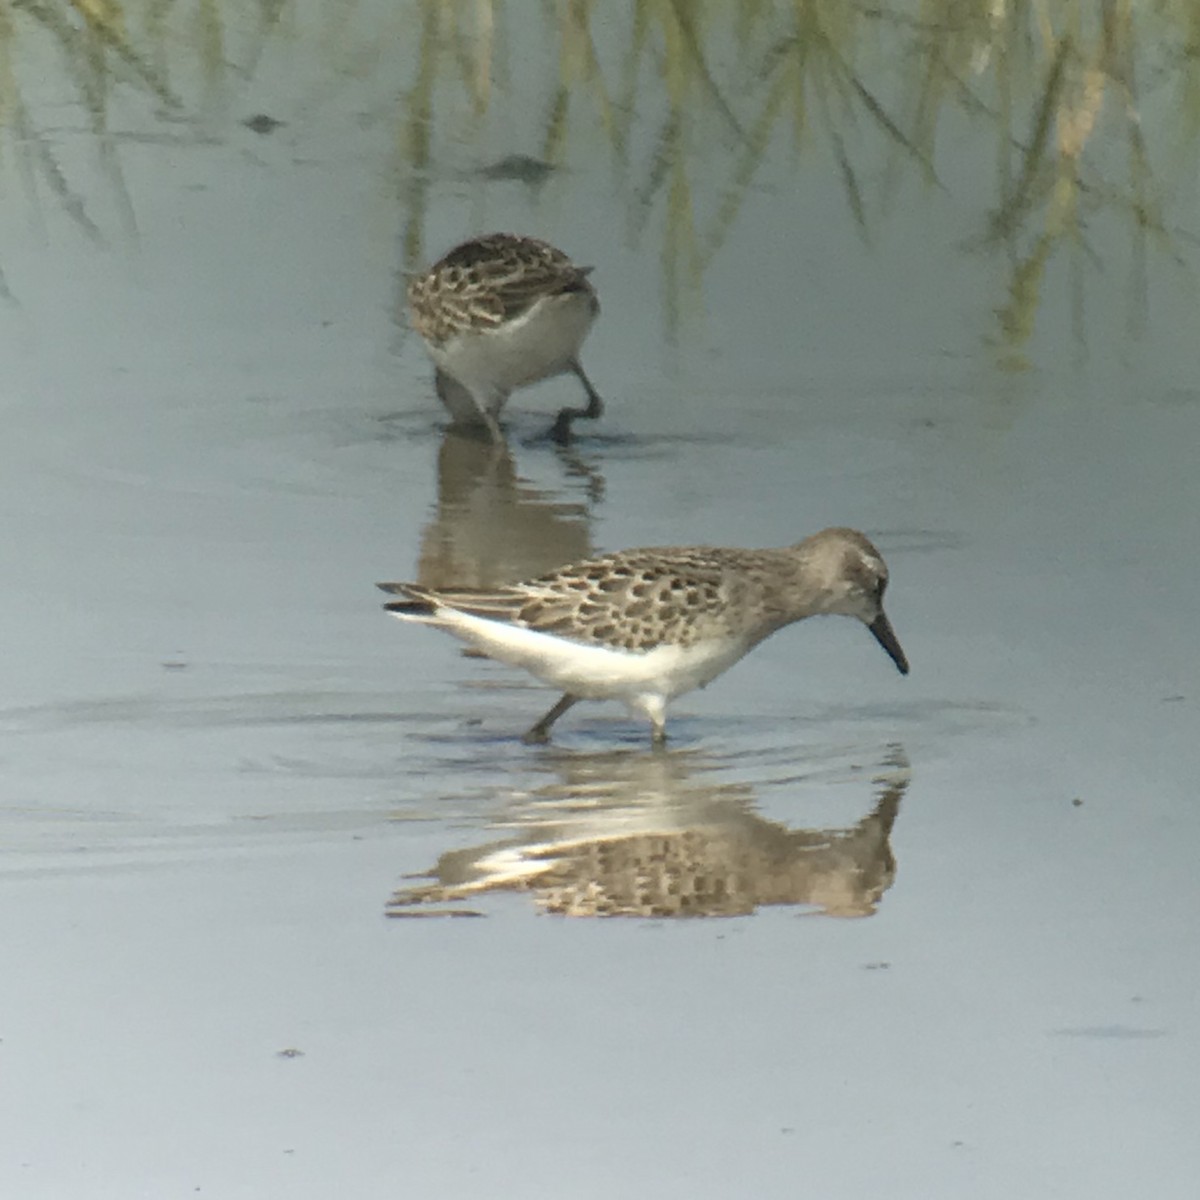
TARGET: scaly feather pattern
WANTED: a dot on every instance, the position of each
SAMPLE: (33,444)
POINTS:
(487,281)
(636,600)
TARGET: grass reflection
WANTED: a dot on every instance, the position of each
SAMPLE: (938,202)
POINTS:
(690,104)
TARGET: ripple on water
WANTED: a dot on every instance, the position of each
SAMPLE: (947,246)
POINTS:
(150,775)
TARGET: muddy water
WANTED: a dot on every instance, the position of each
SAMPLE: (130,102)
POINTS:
(955,953)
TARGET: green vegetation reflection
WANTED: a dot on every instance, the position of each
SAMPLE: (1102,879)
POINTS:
(1091,110)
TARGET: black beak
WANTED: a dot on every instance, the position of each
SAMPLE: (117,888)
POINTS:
(881,627)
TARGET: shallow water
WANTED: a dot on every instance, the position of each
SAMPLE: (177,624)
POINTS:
(955,951)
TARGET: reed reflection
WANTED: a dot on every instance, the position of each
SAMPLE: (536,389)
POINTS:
(666,834)
(694,105)
(1074,111)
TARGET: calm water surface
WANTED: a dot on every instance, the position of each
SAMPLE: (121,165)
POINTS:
(932,278)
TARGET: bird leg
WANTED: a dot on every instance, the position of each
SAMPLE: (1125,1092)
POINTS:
(560,431)
(595,407)
(540,732)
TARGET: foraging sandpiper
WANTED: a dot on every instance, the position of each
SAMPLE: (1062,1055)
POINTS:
(645,626)
(500,312)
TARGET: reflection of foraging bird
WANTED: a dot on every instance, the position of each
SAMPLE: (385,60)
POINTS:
(500,312)
(645,626)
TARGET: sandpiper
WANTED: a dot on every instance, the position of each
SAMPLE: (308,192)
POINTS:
(645,626)
(500,312)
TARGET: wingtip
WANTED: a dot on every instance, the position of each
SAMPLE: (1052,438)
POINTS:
(409,608)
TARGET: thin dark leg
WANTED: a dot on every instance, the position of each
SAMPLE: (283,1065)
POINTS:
(541,731)
(560,431)
(595,407)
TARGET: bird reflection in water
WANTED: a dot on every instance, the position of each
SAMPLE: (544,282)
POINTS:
(660,834)
(491,527)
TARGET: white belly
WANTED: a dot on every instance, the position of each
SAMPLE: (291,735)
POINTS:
(540,343)
(593,672)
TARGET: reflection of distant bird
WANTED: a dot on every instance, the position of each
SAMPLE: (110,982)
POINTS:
(501,312)
(645,626)
(491,527)
(657,835)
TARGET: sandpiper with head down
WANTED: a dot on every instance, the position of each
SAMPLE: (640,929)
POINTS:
(645,626)
(501,312)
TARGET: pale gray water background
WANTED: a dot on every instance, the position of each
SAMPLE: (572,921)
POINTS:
(219,758)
